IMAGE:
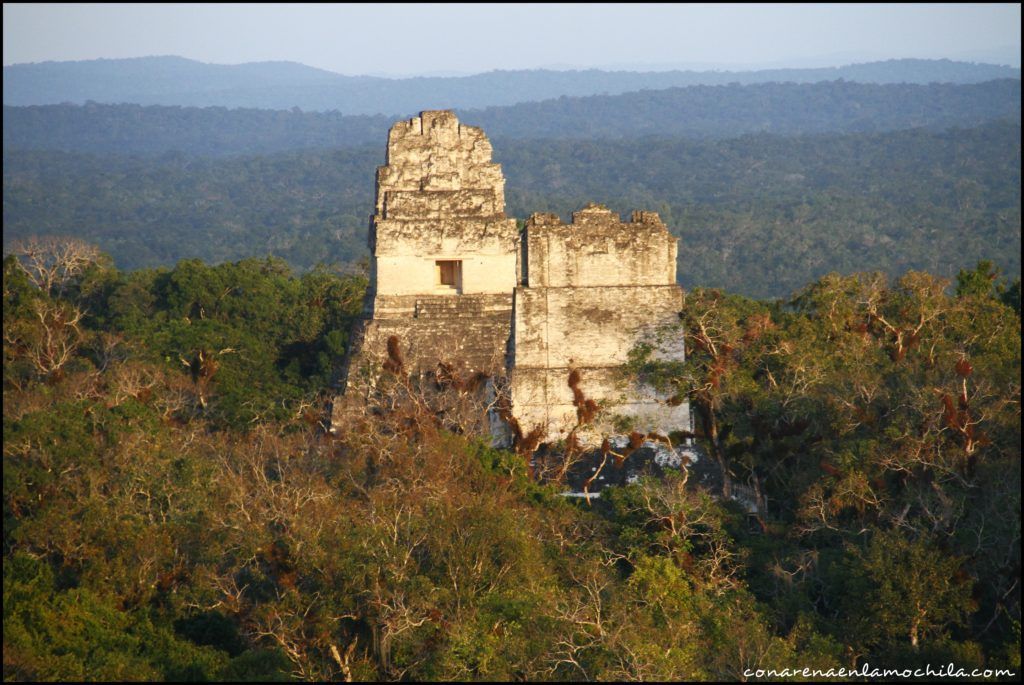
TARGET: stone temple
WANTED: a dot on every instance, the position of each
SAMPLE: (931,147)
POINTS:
(549,313)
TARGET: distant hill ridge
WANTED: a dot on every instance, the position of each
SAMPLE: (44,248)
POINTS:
(759,215)
(176,81)
(702,112)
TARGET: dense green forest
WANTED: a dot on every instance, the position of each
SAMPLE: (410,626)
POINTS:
(173,508)
(695,112)
(758,215)
(177,81)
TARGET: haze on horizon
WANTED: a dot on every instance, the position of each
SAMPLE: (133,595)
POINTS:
(404,40)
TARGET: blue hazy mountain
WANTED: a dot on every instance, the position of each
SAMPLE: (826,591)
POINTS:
(695,112)
(176,81)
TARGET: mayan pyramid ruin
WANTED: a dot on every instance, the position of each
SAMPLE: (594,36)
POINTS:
(549,314)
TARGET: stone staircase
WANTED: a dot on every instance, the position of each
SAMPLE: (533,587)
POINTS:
(462,306)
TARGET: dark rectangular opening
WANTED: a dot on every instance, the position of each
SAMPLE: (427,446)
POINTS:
(449,273)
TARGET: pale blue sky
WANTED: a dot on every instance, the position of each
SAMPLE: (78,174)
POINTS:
(466,38)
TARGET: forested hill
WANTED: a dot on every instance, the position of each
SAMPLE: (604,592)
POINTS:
(283,85)
(695,112)
(788,109)
(759,215)
(173,509)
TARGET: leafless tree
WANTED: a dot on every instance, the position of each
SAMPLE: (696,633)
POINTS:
(51,262)
(50,341)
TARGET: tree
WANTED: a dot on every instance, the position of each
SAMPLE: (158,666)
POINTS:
(50,339)
(982,281)
(52,262)
(917,591)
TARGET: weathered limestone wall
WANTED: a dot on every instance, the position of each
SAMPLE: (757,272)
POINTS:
(406,251)
(592,326)
(439,199)
(591,290)
(597,249)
